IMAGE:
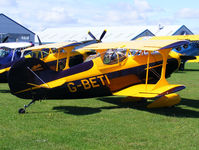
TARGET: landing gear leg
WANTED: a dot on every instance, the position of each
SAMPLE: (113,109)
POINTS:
(23,110)
(181,68)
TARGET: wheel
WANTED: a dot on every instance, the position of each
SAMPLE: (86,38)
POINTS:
(181,68)
(22,111)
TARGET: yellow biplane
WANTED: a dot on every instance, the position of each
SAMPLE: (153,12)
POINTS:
(53,54)
(136,68)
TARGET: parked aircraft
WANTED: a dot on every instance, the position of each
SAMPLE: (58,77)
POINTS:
(136,68)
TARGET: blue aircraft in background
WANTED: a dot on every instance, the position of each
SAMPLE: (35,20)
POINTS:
(9,53)
(187,51)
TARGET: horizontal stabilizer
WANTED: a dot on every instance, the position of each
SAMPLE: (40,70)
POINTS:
(4,70)
(149,90)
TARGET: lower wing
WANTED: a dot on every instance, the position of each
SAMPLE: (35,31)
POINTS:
(149,90)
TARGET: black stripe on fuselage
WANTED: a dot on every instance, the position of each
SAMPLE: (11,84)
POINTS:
(50,76)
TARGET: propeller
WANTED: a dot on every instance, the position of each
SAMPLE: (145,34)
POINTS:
(40,43)
(94,38)
(5,39)
(101,37)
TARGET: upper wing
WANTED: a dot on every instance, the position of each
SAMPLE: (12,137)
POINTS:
(174,37)
(148,45)
(54,45)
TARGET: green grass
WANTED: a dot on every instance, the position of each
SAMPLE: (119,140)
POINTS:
(102,123)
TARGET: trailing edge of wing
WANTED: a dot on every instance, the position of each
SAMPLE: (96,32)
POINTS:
(148,45)
(176,37)
(54,45)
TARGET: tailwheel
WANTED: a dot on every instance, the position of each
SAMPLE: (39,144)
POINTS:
(168,100)
(23,110)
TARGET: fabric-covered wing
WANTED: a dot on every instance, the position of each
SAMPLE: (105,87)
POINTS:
(148,45)
(176,37)
(54,45)
(149,90)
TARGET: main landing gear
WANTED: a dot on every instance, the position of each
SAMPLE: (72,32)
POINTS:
(23,110)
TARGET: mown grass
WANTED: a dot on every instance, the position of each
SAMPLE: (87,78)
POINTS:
(102,123)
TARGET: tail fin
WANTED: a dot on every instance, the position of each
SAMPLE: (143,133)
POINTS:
(25,74)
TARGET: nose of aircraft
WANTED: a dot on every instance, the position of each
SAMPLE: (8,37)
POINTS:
(176,56)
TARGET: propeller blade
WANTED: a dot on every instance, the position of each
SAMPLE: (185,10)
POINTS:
(40,43)
(93,37)
(103,34)
(5,39)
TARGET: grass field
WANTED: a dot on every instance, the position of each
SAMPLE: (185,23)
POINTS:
(102,123)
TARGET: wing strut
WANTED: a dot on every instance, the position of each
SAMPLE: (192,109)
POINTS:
(147,71)
(163,80)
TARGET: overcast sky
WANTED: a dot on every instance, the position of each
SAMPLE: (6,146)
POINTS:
(40,14)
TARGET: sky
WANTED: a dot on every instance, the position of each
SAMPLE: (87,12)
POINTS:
(38,15)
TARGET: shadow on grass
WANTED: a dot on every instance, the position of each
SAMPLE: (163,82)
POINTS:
(4,91)
(190,103)
(3,79)
(75,110)
(180,71)
(176,111)
(191,70)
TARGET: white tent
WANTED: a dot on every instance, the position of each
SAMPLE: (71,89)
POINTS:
(114,33)
(121,33)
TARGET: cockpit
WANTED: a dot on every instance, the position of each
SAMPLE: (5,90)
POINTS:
(113,56)
(4,52)
(36,54)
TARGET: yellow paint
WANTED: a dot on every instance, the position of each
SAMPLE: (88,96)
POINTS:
(151,92)
(194,60)
(93,82)
(147,71)
(71,87)
(165,101)
(174,37)
(163,81)
(86,84)
(4,70)
(101,79)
